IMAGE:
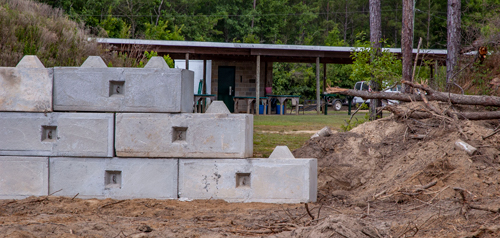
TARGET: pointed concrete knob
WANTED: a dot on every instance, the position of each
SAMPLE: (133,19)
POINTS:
(94,62)
(157,62)
(30,61)
(218,107)
(281,152)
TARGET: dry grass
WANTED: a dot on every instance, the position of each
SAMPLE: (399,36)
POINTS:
(31,28)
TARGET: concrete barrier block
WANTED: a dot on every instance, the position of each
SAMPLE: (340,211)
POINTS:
(123,89)
(21,177)
(249,180)
(26,87)
(218,107)
(281,152)
(118,178)
(185,135)
(57,134)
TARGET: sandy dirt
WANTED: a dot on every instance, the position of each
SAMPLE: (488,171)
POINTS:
(374,181)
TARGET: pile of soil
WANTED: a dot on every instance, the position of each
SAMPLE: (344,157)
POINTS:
(413,185)
(375,181)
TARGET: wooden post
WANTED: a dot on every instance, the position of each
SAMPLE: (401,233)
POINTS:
(204,88)
(453,39)
(407,42)
(324,77)
(187,60)
(257,86)
(318,102)
(375,37)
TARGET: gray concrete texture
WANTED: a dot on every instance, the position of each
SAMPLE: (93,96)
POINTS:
(281,152)
(98,89)
(26,87)
(21,177)
(118,178)
(185,135)
(56,134)
(249,180)
(218,107)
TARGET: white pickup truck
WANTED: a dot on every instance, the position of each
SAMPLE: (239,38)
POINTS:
(365,86)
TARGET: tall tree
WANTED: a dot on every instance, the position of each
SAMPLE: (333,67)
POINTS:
(375,39)
(453,39)
(407,41)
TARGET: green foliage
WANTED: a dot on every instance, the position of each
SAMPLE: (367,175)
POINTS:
(161,32)
(372,64)
(115,27)
(350,124)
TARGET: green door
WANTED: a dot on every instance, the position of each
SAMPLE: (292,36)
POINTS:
(226,86)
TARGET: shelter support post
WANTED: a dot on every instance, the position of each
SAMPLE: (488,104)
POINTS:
(257,85)
(204,88)
(318,99)
(187,60)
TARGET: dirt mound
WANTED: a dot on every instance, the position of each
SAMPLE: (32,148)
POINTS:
(409,163)
(338,226)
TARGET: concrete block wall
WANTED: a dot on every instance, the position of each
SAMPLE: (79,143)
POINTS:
(188,135)
(167,154)
(249,180)
(57,134)
(103,89)
(26,87)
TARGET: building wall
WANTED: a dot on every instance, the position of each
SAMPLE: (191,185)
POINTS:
(244,78)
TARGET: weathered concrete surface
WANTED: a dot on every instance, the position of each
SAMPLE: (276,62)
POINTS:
(118,178)
(218,107)
(94,62)
(157,62)
(56,134)
(21,177)
(249,180)
(281,152)
(184,135)
(123,89)
(26,87)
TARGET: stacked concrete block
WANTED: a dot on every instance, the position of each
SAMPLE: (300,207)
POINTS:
(119,178)
(163,151)
(96,88)
(26,87)
(283,180)
(21,177)
(56,134)
(186,135)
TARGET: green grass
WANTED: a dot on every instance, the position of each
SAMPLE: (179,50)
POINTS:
(270,131)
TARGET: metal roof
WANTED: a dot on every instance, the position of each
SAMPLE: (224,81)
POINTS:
(243,51)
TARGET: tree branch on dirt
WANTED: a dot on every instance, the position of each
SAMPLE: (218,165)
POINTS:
(432,95)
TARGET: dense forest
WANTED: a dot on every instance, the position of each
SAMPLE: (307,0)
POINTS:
(306,22)
(310,22)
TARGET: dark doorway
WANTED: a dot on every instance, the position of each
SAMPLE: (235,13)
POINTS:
(226,86)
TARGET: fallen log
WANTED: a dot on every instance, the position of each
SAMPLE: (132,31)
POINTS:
(432,95)
(421,114)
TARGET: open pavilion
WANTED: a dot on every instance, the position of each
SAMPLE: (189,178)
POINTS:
(245,70)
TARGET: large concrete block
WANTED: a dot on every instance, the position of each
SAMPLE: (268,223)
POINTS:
(21,177)
(26,87)
(185,135)
(57,134)
(249,180)
(119,178)
(123,89)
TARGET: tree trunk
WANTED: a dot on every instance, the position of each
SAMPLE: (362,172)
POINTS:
(486,115)
(407,42)
(432,95)
(375,37)
(453,39)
